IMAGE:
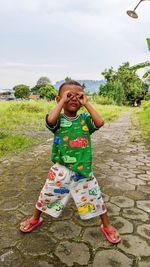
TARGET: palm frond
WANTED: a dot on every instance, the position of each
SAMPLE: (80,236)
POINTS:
(146,75)
(140,66)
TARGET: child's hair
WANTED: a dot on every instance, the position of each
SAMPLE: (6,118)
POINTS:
(71,82)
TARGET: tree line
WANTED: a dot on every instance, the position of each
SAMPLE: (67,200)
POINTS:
(123,86)
(43,88)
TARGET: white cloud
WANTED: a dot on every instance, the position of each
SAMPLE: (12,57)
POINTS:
(77,38)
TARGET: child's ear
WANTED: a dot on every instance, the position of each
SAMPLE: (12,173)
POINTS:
(58,98)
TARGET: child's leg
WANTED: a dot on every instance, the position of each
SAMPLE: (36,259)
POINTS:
(105,220)
(37,214)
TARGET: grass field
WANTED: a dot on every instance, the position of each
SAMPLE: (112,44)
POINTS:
(29,116)
(144,120)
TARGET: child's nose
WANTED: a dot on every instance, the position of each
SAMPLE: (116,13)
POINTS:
(74,97)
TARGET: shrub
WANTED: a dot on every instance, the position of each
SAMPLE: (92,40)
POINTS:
(104,100)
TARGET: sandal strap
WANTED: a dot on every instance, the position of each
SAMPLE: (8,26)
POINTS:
(31,221)
(110,230)
(34,221)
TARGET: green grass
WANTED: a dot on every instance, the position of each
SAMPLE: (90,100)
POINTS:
(29,116)
(110,112)
(24,115)
(144,120)
(13,143)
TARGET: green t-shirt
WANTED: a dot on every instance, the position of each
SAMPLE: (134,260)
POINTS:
(72,142)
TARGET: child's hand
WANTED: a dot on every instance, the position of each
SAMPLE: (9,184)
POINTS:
(82,98)
(67,95)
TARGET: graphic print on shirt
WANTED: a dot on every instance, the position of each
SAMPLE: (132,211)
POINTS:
(72,143)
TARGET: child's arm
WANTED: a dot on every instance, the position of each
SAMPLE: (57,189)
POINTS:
(54,114)
(98,121)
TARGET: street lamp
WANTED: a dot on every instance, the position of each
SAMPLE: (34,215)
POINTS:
(132,13)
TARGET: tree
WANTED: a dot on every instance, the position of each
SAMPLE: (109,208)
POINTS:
(113,90)
(21,91)
(68,79)
(42,81)
(48,91)
(125,83)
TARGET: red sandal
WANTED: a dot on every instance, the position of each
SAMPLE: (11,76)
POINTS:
(111,234)
(30,224)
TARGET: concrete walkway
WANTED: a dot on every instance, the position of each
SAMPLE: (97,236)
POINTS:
(122,167)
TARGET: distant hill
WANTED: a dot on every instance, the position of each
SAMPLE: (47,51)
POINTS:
(91,85)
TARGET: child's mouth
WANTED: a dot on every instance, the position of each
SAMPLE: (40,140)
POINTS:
(74,104)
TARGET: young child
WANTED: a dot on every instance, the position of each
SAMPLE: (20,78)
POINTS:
(71,174)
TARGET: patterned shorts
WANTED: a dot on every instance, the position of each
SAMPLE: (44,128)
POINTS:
(61,184)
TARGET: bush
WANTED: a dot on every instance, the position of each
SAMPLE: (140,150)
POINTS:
(147,97)
(104,100)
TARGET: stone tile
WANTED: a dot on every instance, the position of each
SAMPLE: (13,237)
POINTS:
(105,197)
(136,181)
(68,212)
(90,222)
(8,204)
(126,174)
(117,178)
(95,237)
(135,214)
(145,263)
(37,263)
(112,209)
(119,169)
(10,193)
(144,188)
(8,236)
(27,208)
(122,202)
(111,258)
(124,186)
(138,171)
(144,230)
(36,245)
(134,245)
(117,188)
(70,253)
(144,205)
(123,226)
(65,229)
(137,195)
(13,217)
(144,177)
(144,167)
(10,257)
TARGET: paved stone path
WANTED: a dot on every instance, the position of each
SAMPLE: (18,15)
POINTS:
(122,167)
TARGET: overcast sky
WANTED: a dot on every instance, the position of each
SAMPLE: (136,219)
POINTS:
(75,38)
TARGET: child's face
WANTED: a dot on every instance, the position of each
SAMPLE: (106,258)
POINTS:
(73,105)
